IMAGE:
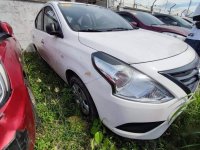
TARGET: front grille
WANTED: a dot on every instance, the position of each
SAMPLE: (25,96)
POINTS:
(187,77)
(20,142)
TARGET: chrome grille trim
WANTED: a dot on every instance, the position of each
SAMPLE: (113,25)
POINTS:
(187,77)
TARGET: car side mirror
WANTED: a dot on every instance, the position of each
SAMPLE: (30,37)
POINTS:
(6,28)
(174,23)
(53,29)
(133,23)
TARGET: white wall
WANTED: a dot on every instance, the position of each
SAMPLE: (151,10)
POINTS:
(20,15)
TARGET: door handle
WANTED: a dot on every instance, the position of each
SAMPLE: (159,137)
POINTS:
(42,41)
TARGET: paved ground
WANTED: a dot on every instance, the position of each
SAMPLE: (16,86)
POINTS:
(20,15)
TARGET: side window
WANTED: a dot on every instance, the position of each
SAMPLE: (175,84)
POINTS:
(161,18)
(39,20)
(128,18)
(167,20)
(173,22)
(49,17)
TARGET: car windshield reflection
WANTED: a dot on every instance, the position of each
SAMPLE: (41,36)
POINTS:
(89,18)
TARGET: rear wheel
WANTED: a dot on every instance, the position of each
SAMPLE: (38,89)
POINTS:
(83,98)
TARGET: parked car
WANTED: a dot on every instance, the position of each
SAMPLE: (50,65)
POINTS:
(126,76)
(173,20)
(147,21)
(17,126)
(189,20)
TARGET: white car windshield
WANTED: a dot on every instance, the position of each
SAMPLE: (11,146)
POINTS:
(91,18)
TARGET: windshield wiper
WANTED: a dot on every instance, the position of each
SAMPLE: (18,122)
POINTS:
(104,30)
(90,30)
(118,29)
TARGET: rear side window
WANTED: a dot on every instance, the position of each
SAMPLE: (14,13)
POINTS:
(39,21)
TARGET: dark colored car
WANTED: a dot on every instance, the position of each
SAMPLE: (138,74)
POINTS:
(173,20)
(17,124)
(149,22)
(189,20)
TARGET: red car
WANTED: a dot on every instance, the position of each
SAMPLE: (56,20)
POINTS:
(17,124)
(147,21)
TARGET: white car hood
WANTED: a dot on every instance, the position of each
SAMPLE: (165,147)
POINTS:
(134,46)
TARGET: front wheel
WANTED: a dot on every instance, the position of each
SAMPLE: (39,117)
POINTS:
(83,98)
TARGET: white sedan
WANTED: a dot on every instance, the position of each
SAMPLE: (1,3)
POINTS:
(134,80)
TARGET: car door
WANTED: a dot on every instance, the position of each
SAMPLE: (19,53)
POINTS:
(50,42)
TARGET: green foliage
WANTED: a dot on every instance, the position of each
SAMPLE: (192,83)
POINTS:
(62,127)
(60,124)
(96,126)
(100,140)
(98,137)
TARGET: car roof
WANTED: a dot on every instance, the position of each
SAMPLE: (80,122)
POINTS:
(132,11)
(67,2)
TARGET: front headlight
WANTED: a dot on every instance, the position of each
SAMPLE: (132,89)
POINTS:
(4,86)
(180,37)
(127,82)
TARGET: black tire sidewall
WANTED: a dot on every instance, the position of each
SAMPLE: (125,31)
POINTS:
(92,108)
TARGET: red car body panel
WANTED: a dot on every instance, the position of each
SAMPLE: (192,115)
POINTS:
(158,28)
(171,29)
(17,113)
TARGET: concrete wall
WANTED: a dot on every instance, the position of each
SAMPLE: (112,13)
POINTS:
(20,15)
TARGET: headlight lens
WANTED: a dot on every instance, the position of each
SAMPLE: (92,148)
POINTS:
(4,86)
(129,83)
(175,35)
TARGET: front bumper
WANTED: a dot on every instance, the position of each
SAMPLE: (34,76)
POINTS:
(17,125)
(127,118)
(115,112)
(20,141)
(159,127)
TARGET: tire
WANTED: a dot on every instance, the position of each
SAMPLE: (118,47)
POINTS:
(83,98)
(36,51)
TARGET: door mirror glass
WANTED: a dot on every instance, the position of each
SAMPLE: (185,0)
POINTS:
(53,29)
